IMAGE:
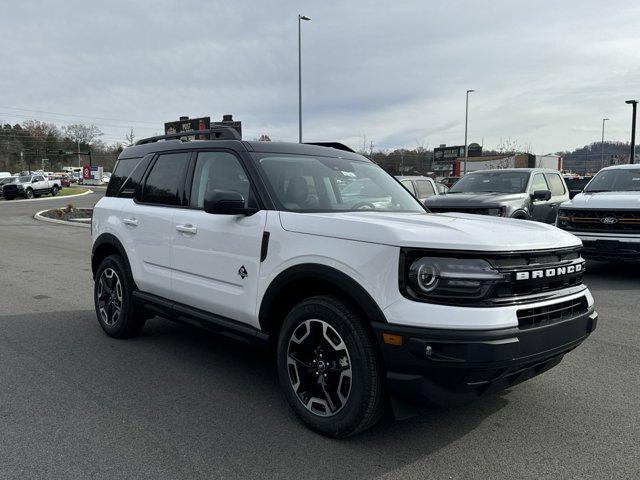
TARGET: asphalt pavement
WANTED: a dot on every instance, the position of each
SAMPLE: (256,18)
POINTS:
(180,403)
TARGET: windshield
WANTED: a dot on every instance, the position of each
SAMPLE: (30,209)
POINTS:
(7,180)
(322,184)
(494,182)
(616,180)
(25,179)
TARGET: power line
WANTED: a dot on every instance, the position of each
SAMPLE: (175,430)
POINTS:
(104,125)
(78,115)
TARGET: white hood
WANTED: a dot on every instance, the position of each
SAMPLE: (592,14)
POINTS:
(605,200)
(453,231)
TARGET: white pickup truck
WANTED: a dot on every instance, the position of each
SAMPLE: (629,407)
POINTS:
(30,186)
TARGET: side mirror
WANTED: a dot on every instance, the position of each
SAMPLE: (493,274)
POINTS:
(226,202)
(541,195)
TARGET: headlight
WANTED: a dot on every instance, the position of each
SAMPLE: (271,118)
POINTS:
(450,280)
(496,212)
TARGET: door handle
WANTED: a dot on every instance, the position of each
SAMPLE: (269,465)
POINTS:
(187,228)
(132,222)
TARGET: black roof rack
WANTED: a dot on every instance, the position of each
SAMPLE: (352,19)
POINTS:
(214,133)
(336,145)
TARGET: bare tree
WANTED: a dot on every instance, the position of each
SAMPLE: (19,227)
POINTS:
(130,137)
(85,134)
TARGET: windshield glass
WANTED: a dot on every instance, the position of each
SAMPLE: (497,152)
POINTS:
(617,180)
(322,184)
(7,180)
(25,179)
(498,182)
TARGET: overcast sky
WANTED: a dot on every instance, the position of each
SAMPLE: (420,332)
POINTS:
(545,72)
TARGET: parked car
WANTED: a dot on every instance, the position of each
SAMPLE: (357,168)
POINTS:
(31,186)
(576,184)
(523,193)
(5,181)
(606,215)
(442,188)
(419,186)
(361,301)
(5,175)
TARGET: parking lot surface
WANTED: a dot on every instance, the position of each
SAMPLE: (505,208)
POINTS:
(180,403)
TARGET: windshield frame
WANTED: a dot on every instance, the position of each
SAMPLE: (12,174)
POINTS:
(493,172)
(257,158)
(618,171)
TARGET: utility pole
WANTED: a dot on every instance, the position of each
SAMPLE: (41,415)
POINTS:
(634,104)
(466,124)
(79,154)
(300,19)
(602,152)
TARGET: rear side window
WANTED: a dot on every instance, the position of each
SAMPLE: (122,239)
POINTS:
(127,176)
(425,189)
(165,181)
(556,184)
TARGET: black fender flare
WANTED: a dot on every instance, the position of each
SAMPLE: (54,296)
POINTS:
(313,271)
(112,243)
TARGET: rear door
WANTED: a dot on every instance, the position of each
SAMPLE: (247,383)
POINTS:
(541,210)
(148,221)
(559,194)
(216,258)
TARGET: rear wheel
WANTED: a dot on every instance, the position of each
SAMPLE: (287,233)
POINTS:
(114,305)
(329,367)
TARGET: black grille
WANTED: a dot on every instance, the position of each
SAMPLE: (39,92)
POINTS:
(539,316)
(619,221)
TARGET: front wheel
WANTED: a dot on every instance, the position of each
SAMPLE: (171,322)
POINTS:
(329,367)
(113,300)
(29,193)
(54,190)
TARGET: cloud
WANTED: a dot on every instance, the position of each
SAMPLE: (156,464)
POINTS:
(545,72)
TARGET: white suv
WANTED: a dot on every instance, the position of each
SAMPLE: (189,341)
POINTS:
(366,298)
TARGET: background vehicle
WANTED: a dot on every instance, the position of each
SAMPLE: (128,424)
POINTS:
(606,215)
(449,181)
(5,174)
(576,184)
(30,186)
(361,298)
(442,188)
(5,181)
(523,193)
(420,187)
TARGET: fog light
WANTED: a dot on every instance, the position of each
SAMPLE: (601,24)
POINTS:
(428,350)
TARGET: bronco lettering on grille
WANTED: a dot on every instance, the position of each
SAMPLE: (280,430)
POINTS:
(549,272)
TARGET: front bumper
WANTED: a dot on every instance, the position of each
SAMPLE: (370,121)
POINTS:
(448,367)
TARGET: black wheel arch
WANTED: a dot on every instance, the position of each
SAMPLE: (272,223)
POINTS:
(108,244)
(306,280)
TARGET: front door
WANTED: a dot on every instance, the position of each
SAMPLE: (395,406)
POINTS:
(541,210)
(216,258)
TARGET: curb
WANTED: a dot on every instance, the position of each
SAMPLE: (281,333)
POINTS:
(46,199)
(38,216)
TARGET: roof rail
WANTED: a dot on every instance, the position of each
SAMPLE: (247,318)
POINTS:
(336,145)
(214,133)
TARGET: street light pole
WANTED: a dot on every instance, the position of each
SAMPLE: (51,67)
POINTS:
(602,153)
(466,124)
(300,18)
(634,103)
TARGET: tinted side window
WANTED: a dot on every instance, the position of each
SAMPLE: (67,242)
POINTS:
(217,171)
(425,189)
(538,183)
(121,172)
(164,182)
(408,184)
(556,184)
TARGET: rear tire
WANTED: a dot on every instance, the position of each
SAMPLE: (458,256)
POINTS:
(112,293)
(329,367)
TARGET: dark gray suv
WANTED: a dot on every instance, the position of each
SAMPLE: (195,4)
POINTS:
(525,193)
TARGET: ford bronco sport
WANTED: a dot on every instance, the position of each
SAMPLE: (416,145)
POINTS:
(365,300)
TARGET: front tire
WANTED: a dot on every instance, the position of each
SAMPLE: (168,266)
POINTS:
(54,190)
(113,300)
(329,367)
(29,193)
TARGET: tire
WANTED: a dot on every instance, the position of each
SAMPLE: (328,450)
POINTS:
(28,193)
(329,367)
(113,300)
(54,190)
